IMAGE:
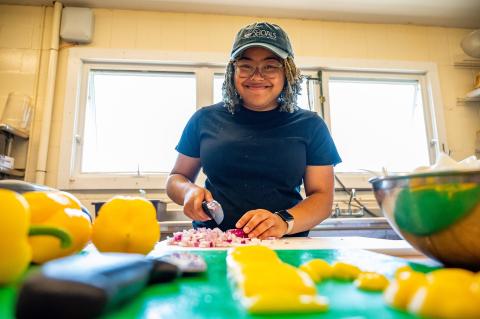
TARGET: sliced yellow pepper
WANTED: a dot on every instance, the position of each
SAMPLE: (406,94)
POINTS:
(371,281)
(402,288)
(447,293)
(285,302)
(16,252)
(317,269)
(58,210)
(126,224)
(285,278)
(345,271)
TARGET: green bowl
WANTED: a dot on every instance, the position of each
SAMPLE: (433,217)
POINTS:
(438,213)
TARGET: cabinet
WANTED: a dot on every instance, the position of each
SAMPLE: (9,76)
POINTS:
(9,135)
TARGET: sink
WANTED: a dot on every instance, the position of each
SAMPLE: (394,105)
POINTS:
(376,227)
(355,213)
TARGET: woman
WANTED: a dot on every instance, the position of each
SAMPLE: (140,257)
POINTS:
(257,147)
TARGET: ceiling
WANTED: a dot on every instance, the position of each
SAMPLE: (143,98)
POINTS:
(448,13)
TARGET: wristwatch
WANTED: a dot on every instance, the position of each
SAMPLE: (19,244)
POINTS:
(288,218)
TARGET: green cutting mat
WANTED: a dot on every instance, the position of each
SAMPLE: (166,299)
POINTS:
(210,295)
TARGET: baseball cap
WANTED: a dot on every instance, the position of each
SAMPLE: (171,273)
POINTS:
(262,34)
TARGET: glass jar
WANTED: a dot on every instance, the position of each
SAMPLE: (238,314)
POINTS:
(17,112)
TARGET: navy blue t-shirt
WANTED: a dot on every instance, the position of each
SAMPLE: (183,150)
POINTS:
(255,160)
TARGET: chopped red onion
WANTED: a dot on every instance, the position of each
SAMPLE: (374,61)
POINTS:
(237,232)
(205,238)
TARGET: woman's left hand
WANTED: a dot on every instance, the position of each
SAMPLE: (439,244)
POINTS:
(262,223)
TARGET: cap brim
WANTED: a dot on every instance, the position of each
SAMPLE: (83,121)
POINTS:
(270,47)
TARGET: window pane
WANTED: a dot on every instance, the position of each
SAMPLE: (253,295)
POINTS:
(134,120)
(217,87)
(302,100)
(378,124)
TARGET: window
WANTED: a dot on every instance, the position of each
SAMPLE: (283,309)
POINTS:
(124,113)
(379,120)
(124,120)
(134,119)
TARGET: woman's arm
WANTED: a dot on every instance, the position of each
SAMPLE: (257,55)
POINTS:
(181,187)
(316,207)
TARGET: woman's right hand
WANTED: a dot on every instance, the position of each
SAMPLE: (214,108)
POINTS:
(192,203)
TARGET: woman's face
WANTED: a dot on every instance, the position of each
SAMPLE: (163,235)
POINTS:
(259,93)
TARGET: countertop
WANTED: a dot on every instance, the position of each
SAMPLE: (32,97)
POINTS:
(329,223)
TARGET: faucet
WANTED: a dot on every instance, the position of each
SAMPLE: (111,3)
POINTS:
(352,197)
(337,212)
(360,212)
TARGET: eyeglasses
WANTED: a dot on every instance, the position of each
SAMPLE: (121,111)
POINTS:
(268,70)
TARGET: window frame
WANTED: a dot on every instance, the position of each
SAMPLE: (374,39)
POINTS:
(80,63)
(206,64)
(433,115)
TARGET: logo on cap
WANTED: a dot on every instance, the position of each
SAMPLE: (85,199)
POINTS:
(259,33)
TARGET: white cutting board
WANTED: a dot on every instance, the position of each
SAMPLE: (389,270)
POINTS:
(389,247)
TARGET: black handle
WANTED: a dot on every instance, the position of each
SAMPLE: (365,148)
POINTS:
(85,286)
(206,209)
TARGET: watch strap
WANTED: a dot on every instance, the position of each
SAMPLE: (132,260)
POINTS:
(289,221)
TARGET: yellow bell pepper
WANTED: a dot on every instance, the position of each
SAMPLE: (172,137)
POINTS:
(126,224)
(15,251)
(62,211)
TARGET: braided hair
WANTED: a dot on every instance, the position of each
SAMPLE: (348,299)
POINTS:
(287,99)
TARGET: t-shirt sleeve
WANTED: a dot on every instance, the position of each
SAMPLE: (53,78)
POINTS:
(189,143)
(322,150)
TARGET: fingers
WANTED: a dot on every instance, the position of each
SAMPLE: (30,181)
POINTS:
(244,219)
(269,233)
(258,223)
(262,223)
(261,228)
(208,195)
(198,209)
(192,206)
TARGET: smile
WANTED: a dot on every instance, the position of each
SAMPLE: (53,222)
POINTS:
(257,87)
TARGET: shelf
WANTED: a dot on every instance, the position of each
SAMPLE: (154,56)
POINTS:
(468,100)
(11,172)
(467,63)
(471,97)
(11,130)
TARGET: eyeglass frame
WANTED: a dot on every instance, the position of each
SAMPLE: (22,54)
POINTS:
(258,69)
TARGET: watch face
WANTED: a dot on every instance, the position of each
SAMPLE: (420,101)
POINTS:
(285,215)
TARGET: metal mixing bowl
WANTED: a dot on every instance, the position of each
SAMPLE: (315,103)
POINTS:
(438,213)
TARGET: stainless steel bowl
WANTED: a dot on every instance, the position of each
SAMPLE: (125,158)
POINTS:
(438,213)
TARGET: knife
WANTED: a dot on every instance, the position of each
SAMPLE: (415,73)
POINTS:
(214,210)
(88,285)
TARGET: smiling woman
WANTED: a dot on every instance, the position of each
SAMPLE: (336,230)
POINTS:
(258,146)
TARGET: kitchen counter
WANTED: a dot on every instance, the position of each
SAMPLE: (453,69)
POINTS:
(376,227)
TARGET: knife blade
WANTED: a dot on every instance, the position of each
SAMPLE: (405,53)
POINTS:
(214,210)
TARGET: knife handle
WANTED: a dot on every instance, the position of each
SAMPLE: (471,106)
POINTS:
(206,209)
(85,286)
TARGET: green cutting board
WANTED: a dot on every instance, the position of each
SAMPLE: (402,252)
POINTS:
(211,295)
